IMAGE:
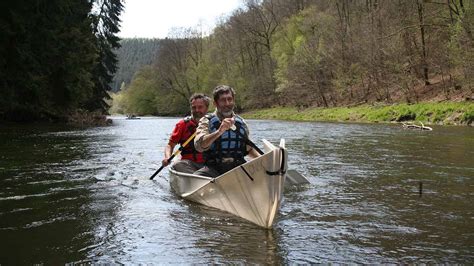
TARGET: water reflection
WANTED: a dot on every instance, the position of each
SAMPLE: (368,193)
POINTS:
(42,202)
(222,238)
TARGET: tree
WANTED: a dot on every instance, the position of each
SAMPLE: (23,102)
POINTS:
(305,67)
(48,54)
(105,27)
(46,60)
(133,54)
(180,60)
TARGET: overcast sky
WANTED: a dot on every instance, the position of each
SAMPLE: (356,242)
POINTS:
(155,18)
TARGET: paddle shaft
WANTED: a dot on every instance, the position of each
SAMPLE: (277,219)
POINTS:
(251,144)
(294,177)
(247,140)
(174,154)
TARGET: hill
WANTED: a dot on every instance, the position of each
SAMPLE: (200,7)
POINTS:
(133,54)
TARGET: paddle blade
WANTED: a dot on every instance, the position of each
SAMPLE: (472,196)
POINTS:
(295,178)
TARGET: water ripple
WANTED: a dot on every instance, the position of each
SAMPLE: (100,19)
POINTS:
(83,195)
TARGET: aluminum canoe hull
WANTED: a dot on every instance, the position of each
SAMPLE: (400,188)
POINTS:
(252,191)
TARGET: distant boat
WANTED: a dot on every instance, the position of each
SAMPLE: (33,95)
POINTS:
(132,117)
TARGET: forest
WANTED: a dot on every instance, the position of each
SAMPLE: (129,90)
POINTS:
(314,53)
(133,54)
(57,57)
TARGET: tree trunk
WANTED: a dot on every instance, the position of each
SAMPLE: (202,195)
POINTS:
(424,64)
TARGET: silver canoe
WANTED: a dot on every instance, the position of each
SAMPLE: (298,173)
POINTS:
(252,191)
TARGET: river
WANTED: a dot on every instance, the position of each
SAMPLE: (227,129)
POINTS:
(83,195)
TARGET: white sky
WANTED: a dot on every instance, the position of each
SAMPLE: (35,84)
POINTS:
(155,18)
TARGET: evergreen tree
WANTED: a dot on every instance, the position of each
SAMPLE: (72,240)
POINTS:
(47,51)
(106,26)
(133,54)
(56,56)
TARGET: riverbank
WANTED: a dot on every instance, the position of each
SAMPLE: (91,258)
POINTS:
(449,113)
(83,118)
(78,118)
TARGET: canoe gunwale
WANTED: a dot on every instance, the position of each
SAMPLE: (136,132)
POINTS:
(190,175)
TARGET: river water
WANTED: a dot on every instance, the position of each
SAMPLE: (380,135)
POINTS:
(83,195)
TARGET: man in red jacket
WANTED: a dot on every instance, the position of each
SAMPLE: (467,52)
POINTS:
(191,160)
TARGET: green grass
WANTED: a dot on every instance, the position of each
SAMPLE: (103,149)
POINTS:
(449,113)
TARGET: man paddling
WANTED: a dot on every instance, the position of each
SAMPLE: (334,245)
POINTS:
(191,160)
(224,148)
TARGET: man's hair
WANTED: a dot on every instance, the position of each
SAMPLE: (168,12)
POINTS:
(202,96)
(222,89)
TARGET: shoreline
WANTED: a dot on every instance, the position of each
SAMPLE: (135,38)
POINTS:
(448,113)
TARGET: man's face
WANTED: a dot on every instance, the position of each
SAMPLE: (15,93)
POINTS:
(198,108)
(225,104)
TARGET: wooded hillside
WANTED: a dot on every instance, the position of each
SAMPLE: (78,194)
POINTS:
(133,54)
(316,53)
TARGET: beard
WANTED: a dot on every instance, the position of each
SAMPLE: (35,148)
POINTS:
(227,111)
(227,114)
(197,116)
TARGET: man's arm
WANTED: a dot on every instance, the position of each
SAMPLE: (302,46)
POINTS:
(204,139)
(174,139)
(208,139)
(168,151)
(201,131)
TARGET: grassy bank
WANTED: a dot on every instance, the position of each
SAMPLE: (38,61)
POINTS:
(450,113)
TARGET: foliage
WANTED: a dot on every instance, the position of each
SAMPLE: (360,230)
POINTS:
(55,57)
(105,26)
(429,113)
(141,93)
(145,95)
(301,50)
(133,54)
(321,53)
(460,37)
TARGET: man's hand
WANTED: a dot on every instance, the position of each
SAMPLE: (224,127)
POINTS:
(168,151)
(208,139)
(165,162)
(226,124)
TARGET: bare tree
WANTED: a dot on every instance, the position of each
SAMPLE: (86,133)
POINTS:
(179,60)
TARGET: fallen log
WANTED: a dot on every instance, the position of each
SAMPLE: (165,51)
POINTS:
(416,127)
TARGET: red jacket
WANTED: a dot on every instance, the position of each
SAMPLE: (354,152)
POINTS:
(181,132)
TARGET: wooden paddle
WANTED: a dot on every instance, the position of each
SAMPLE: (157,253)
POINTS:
(174,154)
